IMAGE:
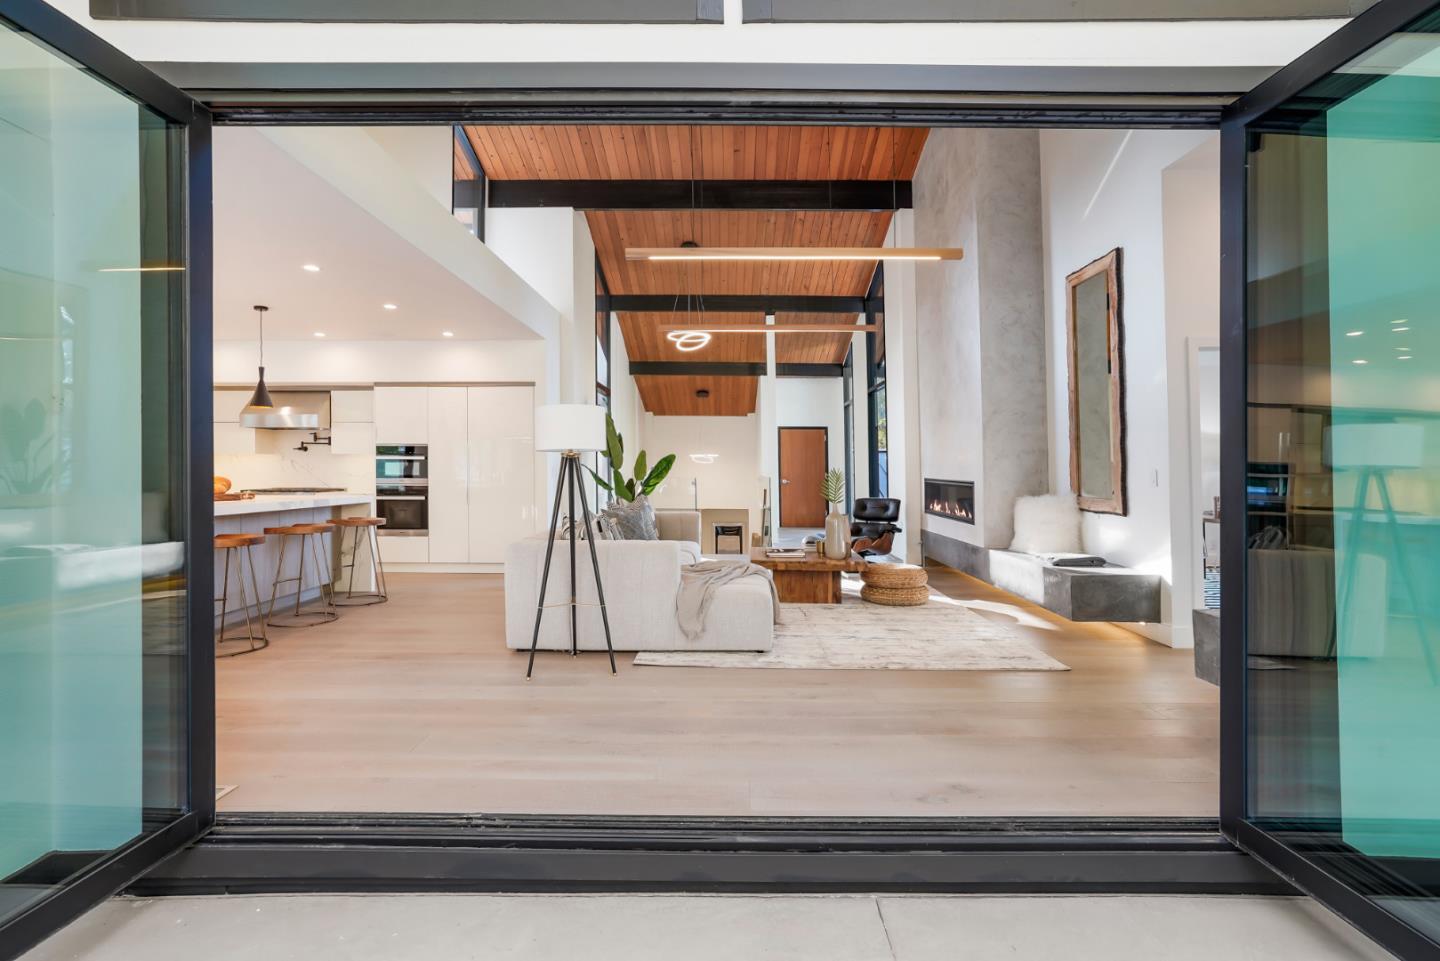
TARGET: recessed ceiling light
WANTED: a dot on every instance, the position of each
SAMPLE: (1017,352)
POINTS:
(1406,357)
(310,268)
(390,306)
(1399,330)
(1359,361)
(319,333)
(1401,321)
(447,333)
(1353,333)
(1402,348)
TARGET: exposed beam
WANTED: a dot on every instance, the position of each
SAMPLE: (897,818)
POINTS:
(681,368)
(871,195)
(809,370)
(734,303)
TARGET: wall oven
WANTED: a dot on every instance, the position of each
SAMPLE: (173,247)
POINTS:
(402,490)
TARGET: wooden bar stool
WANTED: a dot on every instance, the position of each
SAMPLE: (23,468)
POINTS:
(233,544)
(368,530)
(314,536)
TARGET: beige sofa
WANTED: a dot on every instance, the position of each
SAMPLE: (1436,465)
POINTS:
(641,580)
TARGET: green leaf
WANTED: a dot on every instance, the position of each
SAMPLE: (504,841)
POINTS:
(630,490)
(640,465)
(657,474)
(614,444)
(600,481)
(832,488)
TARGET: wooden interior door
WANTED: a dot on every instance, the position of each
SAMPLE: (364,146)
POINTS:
(803,456)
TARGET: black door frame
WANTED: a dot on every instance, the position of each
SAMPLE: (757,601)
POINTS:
(1364,32)
(115,871)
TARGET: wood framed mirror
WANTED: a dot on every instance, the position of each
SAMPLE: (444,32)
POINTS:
(1097,385)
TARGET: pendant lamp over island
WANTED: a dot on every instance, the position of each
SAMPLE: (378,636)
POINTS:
(261,413)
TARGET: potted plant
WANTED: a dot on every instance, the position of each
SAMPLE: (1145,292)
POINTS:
(837,525)
(643,482)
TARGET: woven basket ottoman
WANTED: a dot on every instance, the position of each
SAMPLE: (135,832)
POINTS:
(895,585)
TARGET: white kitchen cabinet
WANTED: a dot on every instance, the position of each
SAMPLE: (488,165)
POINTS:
(352,439)
(404,550)
(352,407)
(449,505)
(402,415)
(501,470)
(228,404)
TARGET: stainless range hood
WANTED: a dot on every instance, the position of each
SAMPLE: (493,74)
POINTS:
(292,410)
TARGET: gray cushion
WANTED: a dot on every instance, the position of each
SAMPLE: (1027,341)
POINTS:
(633,520)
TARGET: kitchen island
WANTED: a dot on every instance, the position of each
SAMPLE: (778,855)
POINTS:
(278,510)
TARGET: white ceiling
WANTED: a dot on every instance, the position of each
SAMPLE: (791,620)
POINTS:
(273,214)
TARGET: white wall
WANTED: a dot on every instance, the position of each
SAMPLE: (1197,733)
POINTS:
(1108,189)
(428,153)
(552,250)
(731,482)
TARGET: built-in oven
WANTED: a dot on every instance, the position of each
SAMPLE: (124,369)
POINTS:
(402,490)
(401,462)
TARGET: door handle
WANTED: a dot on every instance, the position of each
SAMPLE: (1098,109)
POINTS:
(783,481)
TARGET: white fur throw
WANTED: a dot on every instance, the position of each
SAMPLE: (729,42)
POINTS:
(1048,524)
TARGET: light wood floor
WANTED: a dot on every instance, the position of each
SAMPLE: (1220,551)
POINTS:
(416,705)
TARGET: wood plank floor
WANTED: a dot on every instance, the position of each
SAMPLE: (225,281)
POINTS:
(416,705)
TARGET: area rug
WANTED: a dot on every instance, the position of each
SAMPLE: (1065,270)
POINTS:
(943,635)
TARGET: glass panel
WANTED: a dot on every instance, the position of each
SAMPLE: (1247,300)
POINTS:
(1343,511)
(92,626)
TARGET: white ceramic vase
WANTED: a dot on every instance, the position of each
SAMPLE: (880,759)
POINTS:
(837,534)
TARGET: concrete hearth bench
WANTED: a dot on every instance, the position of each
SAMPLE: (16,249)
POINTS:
(1108,593)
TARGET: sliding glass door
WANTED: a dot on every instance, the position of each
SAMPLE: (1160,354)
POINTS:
(96,568)
(1333,702)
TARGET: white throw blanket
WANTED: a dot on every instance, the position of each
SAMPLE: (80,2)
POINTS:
(698,583)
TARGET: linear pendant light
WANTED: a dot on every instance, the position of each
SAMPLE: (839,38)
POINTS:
(794,253)
(668,329)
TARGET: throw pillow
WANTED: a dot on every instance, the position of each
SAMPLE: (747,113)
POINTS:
(1048,524)
(633,520)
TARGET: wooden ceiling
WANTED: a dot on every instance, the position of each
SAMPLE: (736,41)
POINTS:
(729,396)
(715,152)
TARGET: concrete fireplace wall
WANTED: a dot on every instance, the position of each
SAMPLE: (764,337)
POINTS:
(986,423)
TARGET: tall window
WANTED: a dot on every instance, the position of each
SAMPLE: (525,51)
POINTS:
(875,386)
(468,187)
(602,369)
(847,381)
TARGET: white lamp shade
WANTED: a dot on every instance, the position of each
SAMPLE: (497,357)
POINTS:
(563,427)
(1375,446)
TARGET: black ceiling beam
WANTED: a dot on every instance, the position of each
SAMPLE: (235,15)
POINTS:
(682,368)
(733,303)
(809,370)
(870,195)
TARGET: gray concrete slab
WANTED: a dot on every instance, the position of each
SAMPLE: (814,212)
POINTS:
(699,928)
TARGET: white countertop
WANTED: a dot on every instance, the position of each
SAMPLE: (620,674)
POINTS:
(274,503)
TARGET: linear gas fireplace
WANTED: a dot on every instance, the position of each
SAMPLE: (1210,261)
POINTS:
(952,499)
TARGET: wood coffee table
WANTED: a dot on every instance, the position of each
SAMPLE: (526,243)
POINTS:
(809,580)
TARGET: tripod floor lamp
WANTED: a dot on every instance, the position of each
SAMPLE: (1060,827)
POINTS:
(570,430)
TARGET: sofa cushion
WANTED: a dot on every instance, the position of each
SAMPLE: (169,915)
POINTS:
(1048,524)
(633,520)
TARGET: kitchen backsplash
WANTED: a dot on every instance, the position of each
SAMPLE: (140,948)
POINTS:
(317,467)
